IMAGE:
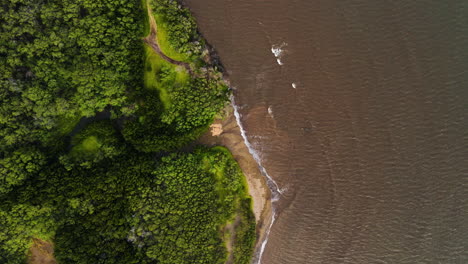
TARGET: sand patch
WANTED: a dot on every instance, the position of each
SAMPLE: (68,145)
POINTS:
(41,252)
(216,129)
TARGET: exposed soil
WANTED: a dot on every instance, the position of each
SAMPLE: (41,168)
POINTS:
(41,252)
(216,129)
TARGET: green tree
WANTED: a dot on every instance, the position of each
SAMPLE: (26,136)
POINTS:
(96,142)
(18,165)
(19,226)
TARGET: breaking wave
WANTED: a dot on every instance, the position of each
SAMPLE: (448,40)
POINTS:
(278,51)
(276,192)
(270,112)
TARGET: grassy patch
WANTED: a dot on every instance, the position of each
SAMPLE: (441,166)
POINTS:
(87,146)
(165,45)
(90,144)
(95,142)
(182,76)
(153,64)
(162,75)
(239,228)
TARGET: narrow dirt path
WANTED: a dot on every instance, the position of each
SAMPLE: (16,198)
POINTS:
(152,41)
(231,228)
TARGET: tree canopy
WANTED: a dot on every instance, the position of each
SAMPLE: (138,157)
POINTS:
(92,122)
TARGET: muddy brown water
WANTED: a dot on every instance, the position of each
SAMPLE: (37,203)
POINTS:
(370,145)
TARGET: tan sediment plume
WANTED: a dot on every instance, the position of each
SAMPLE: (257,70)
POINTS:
(226,132)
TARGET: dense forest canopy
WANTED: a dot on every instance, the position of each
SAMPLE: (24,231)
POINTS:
(89,116)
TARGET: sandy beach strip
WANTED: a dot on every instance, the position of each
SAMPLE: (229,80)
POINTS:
(226,132)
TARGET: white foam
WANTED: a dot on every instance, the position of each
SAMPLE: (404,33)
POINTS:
(294,85)
(278,51)
(272,185)
(252,151)
(270,111)
(264,243)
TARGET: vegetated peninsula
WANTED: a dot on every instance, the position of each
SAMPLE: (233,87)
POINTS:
(102,104)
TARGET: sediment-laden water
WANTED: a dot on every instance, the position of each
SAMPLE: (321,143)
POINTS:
(358,111)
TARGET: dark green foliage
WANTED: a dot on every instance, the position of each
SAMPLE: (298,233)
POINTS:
(181,225)
(19,224)
(62,59)
(192,109)
(18,165)
(134,209)
(93,190)
(181,27)
(94,212)
(195,105)
(96,142)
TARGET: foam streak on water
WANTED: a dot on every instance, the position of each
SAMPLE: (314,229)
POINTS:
(278,51)
(272,185)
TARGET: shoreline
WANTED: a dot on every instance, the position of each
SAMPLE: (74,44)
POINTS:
(226,132)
